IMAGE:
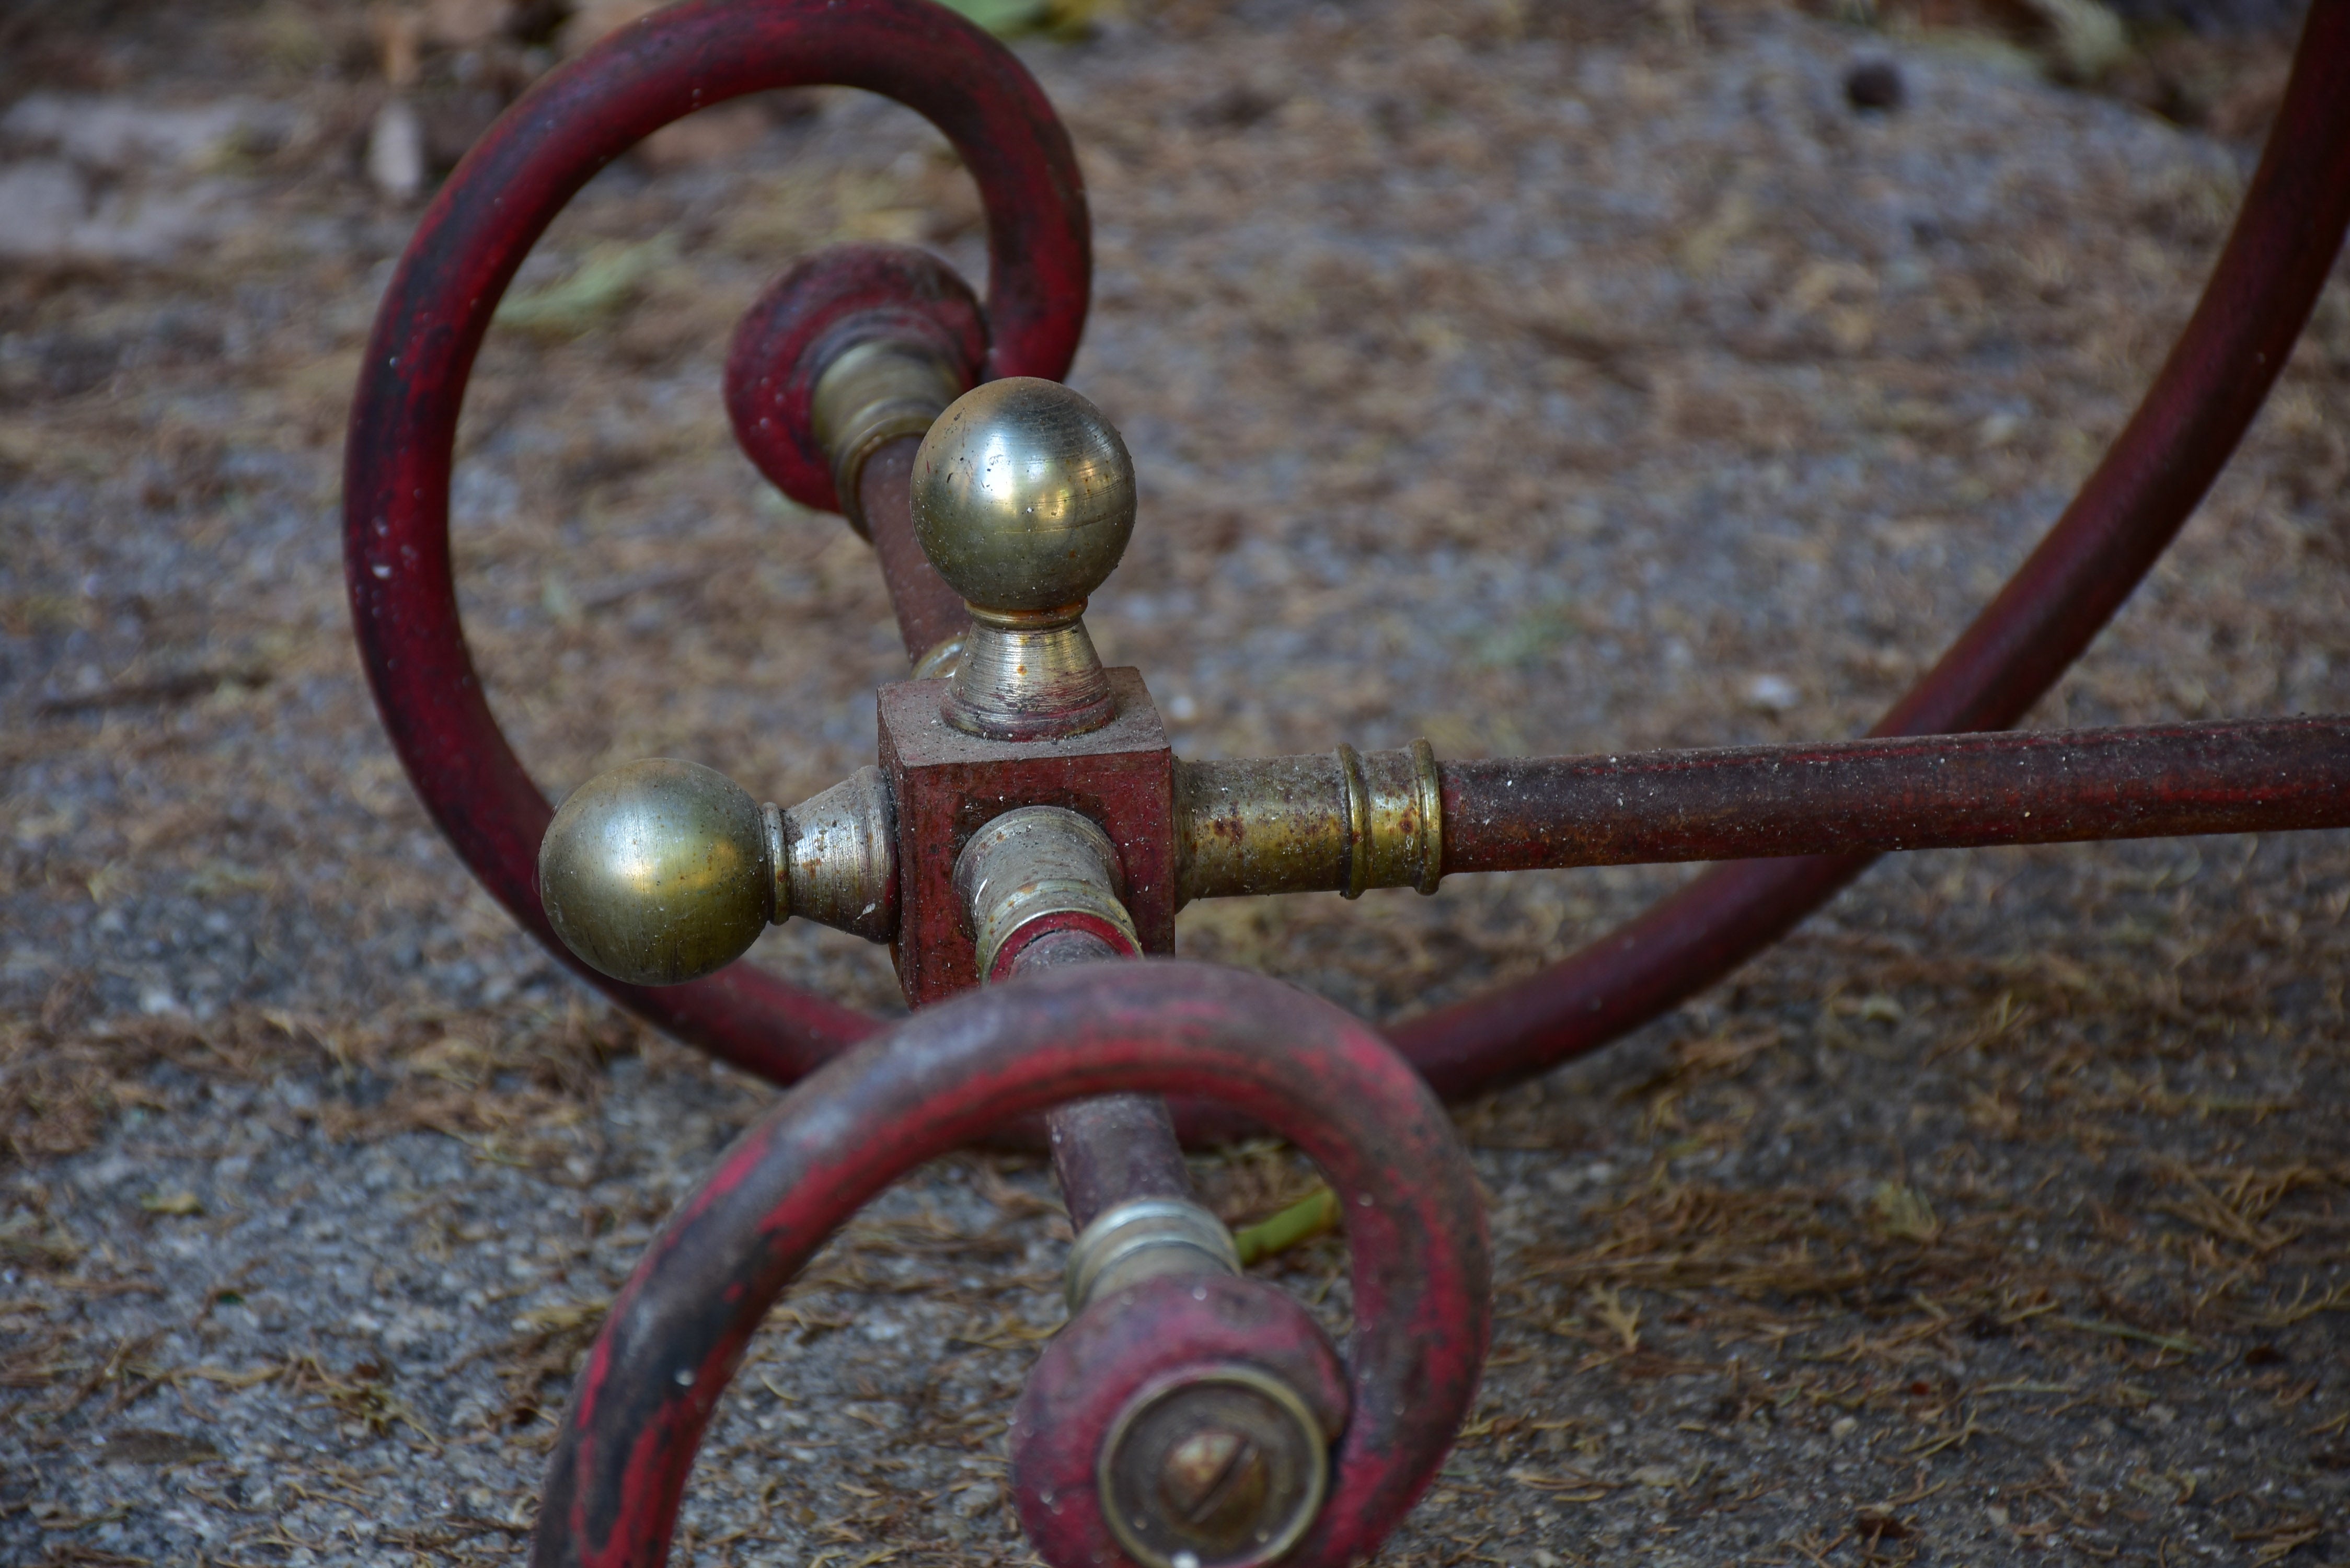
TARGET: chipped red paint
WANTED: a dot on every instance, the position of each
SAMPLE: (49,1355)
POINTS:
(1416,1227)
(573,122)
(2277,258)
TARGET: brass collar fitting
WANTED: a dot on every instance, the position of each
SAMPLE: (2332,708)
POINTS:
(944,658)
(1142,1239)
(1028,676)
(1031,865)
(835,857)
(1343,822)
(871,394)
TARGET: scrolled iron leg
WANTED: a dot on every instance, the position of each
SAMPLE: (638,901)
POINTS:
(1415,1235)
(1186,1415)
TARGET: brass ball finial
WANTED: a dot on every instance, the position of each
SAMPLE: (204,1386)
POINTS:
(1024,496)
(657,872)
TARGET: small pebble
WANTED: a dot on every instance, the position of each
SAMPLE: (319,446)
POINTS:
(1874,86)
(1772,694)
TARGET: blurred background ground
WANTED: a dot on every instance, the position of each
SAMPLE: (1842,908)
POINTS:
(1535,377)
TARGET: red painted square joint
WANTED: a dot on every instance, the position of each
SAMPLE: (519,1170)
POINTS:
(948,785)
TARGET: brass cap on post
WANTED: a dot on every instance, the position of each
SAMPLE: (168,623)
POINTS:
(1024,499)
(661,871)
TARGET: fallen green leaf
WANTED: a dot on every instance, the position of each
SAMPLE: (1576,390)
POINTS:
(603,284)
(1016,18)
(1303,1220)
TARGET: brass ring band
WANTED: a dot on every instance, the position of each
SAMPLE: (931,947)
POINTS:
(1394,819)
(877,427)
(1429,790)
(1309,1444)
(1358,821)
(1184,1237)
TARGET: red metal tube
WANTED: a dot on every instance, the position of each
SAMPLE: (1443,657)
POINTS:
(929,611)
(1120,1146)
(573,122)
(2276,260)
(950,1074)
(1934,791)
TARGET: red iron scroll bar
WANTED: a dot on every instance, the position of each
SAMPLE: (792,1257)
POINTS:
(955,1073)
(1933,792)
(2276,260)
(576,121)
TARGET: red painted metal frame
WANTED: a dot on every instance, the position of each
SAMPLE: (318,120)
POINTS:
(573,122)
(950,1074)
(2277,258)
(2259,296)
(928,610)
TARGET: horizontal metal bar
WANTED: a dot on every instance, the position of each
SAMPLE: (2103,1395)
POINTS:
(1924,792)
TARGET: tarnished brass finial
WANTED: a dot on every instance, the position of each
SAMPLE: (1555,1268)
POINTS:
(1024,499)
(657,872)
(661,871)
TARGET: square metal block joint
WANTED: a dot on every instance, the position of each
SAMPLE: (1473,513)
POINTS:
(948,785)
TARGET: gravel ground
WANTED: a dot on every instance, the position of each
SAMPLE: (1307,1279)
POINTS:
(1533,379)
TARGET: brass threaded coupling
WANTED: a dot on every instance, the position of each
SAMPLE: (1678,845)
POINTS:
(1142,1239)
(1343,821)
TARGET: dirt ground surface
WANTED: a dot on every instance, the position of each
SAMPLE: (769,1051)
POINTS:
(1535,379)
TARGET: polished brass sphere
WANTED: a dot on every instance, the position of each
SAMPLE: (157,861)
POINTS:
(1024,495)
(657,872)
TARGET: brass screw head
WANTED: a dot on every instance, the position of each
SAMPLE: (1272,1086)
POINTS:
(657,872)
(1222,1467)
(1216,1481)
(1024,496)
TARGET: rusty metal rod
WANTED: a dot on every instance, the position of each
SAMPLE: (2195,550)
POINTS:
(1110,1150)
(2277,258)
(928,612)
(1930,792)
(1113,1148)
(1284,825)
